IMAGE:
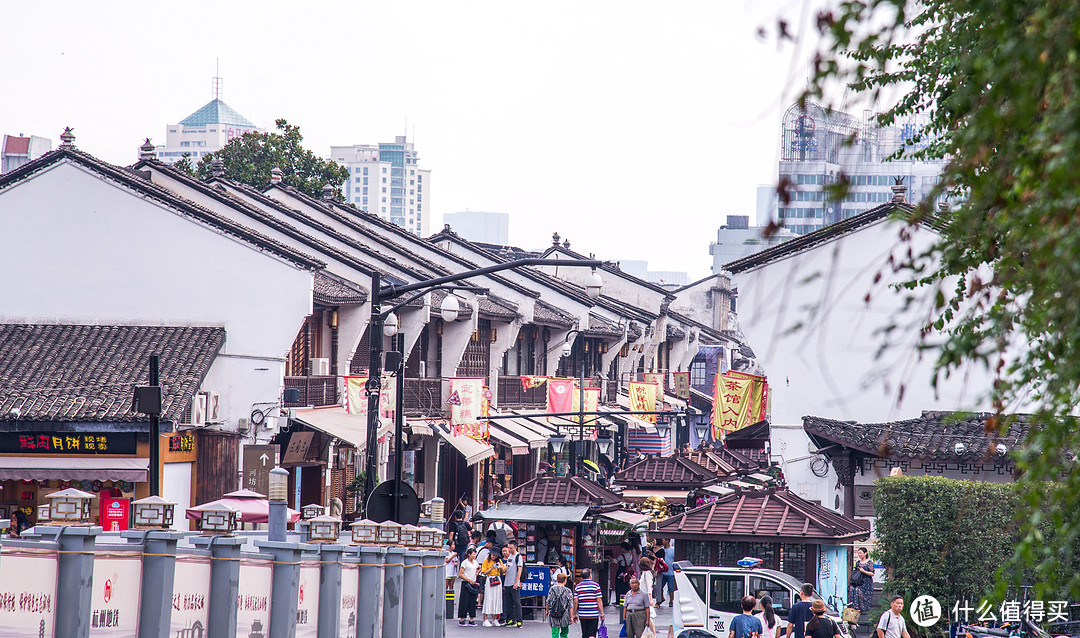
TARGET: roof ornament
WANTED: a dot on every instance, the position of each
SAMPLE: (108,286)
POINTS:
(555,239)
(899,190)
(276,175)
(566,244)
(217,167)
(67,138)
(146,151)
(327,193)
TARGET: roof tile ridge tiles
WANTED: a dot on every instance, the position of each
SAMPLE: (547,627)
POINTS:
(712,332)
(188,208)
(694,283)
(298,234)
(740,501)
(615,270)
(795,502)
(783,518)
(532,273)
(340,217)
(350,211)
(823,235)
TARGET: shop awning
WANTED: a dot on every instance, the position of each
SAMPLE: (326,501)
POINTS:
(536,513)
(351,428)
(623,517)
(104,468)
(420,428)
(517,446)
(667,494)
(631,421)
(525,430)
(716,489)
(474,451)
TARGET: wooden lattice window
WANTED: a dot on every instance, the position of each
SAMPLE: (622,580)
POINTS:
(476,360)
(296,366)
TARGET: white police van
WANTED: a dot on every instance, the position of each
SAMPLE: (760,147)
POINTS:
(708,598)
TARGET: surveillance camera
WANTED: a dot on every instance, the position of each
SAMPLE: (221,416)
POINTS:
(566,349)
(14,413)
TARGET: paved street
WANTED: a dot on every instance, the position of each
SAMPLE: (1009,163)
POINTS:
(540,628)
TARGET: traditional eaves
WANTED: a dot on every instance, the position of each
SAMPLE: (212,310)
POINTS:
(492,307)
(55,374)
(348,214)
(603,327)
(139,183)
(666,472)
(828,233)
(332,291)
(774,515)
(932,436)
(564,490)
(544,314)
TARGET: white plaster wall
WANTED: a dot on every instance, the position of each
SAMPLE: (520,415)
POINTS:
(622,288)
(830,366)
(702,303)
(89,251)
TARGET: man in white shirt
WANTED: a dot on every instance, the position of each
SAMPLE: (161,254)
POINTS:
(891,624)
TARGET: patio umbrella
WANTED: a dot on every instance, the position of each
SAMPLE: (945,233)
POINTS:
(252,507)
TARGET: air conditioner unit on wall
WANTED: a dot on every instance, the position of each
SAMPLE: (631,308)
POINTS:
(320,367)
(197,412)
(213,403)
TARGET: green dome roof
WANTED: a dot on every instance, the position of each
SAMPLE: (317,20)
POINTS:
(216,112)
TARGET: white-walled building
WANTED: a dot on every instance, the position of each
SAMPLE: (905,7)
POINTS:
(206,130)
(479,226)
(18,150)
(817,321)
(737,239)
(386,179)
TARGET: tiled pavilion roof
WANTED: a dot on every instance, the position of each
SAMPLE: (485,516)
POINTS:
(666,472)
(562,490)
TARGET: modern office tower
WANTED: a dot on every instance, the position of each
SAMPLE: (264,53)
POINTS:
(819,147)
(204,131)
(386,179)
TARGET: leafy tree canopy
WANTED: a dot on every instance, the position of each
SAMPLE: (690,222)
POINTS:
(998,82)
(250,158)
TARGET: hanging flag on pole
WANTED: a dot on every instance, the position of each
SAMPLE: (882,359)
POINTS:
(759,398)
(682,385)
(732,407)
(592,402)
(467,415)
(643,399)
(656,378)
(355,396)
(528,382)
(560,398)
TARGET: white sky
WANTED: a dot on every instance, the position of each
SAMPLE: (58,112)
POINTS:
(631,128)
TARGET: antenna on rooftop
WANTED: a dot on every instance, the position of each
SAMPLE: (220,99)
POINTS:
(217,79)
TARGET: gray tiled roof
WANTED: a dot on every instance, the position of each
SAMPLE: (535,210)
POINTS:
(78,373)
(335,292)
(546,314)
(931,436)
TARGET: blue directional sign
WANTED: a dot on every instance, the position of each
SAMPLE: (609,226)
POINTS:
(536,580)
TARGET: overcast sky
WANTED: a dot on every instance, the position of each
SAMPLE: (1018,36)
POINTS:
(631,128)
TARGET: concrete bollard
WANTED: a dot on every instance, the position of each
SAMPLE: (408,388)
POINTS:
(224,582)
(431,594)
(369,617)
(392,592)
(75,577)
(159,574)
(330,590)
(412,593)
(284,601)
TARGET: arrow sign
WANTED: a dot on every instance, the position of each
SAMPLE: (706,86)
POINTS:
(264,459)
(258,461)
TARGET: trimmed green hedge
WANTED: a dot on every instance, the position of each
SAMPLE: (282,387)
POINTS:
(944,537)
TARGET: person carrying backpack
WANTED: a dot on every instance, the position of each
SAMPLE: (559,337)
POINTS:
(460,529)
(557,605)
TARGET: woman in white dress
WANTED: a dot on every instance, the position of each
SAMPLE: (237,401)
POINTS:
(493,569)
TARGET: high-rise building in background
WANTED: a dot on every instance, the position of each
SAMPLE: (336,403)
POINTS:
(737,239)
(478,226)
(18,150)
(385,179)
(204,131)
(817,147)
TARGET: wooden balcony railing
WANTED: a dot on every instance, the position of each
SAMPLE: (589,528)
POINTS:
(314,390)
(512,396)
(424,396)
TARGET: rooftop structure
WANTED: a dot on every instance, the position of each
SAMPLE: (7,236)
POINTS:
(18,150)
(386,179)
(206,130)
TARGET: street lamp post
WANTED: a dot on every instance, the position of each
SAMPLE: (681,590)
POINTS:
(567,350)
(379,295)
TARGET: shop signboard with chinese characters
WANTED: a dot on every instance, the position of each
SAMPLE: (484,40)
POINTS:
(307,609)
(535,582)
(253,599)
(258,461)
(73,443)
(115,591)
(191,590)
(28,592)
(350,587)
